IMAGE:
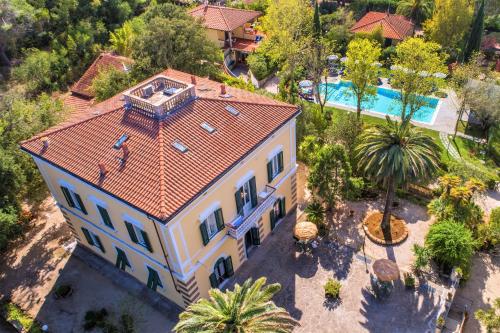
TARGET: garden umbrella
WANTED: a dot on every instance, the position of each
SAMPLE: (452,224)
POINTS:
(305,231)
(306,84)
(332,57)
(440,75)
(343,59)
(386,270)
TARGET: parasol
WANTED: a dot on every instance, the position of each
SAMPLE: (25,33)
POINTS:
(386,270)
(305,231)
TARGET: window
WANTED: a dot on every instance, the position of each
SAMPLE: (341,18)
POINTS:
(105,216)
(73,199)
(93,239)
(278,211)
(138,236)
(274,166)
(153,279)
(223,269)
(246,197)
(121,259)
(211,225)
(207,127)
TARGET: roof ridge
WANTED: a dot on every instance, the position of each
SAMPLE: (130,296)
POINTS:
(392,27)
(162,164)
(64,127)
(285,105)
(224,18)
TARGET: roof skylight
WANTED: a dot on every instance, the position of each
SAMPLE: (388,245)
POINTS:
(179,146)
(118,144)
(207,127)
(231,109)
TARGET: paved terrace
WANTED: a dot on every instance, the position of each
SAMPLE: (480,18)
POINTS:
(302,277)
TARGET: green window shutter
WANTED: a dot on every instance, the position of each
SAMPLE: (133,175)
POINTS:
(105,216)
(204,233)
(153,279)
(121,259)
(80,203)
(280,161)
(213,280)
(219,219)
(86,233)
(146,241)
(228,266)
(68,197)
(269,171)
(253,192)
(131,232)
(255,236)
(99,244)
(239,202)
(282,207)
(272,218)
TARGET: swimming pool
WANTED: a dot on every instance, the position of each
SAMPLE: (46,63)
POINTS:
(386,101)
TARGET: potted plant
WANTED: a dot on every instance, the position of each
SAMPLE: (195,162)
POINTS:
(440,323)
(63,291)
(332,289)
(409,280)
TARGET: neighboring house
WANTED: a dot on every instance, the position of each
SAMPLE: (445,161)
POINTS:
(176,181)
(80,100)
(230,28)
(395,28)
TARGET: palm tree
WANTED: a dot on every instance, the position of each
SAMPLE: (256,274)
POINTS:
(246,309)
(417,10)
(395,155)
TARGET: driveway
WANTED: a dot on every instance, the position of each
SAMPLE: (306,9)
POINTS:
(302,277)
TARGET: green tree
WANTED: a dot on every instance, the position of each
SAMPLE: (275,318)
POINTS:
(476,34)
(248,308)
(490,318)
(361,70)
(450,243)
(9,226)
(179,43)
(395,155)
(417,10)
(329,175)
(483,102)
(414,74)
(317,32)
(110,82)
(337,28)
(345,129)
(449,22)
(121,39)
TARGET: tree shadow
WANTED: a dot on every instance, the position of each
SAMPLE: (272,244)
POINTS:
(332,304)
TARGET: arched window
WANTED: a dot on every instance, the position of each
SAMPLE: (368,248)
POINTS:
(223,269)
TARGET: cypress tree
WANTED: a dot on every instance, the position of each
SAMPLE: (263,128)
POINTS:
(317,22)
(476,34)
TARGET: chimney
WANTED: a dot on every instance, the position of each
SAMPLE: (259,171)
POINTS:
(45,142)
(193,79)
(222,89)
(102,169)
(126,152)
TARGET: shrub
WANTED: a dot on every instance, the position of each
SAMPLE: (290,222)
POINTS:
(490,318)
(332,288)
(127,323)
(315,212)
(95,319)
(466,171)
(9,226)
(355,188)
(387,55)
(409,280)
(421,258)
(13,312)
(237,82)
(489,233)
(440,321)
(111,82)
(307,149)
(450,243)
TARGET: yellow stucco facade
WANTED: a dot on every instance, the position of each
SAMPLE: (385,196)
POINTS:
(187,262)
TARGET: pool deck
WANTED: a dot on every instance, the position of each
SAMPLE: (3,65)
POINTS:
(444,119)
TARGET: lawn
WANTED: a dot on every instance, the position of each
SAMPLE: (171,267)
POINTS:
(371,120)
(475,154)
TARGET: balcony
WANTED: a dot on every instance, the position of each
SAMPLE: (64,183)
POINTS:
(242,223)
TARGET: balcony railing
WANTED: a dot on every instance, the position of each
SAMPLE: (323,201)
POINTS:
(242,223)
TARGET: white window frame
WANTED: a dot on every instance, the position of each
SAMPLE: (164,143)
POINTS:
(275,165)
(211,222)
(138,234)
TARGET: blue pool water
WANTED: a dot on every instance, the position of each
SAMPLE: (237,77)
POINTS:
(386,101)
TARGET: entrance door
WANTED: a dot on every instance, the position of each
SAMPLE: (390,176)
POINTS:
(248,242)
(220,270)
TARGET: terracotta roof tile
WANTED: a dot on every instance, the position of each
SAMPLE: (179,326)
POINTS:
(223,18)
(103,61)
(156,178)
(393,26)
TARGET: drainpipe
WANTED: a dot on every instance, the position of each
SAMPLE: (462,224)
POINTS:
(231,39)
(164,254)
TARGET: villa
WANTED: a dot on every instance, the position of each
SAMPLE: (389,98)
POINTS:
(395,28)
(230,28)
(175,181)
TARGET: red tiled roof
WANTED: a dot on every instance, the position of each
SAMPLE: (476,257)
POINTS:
(157,179)
(393,26)
(244,45)
(223,18)
(103,61)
